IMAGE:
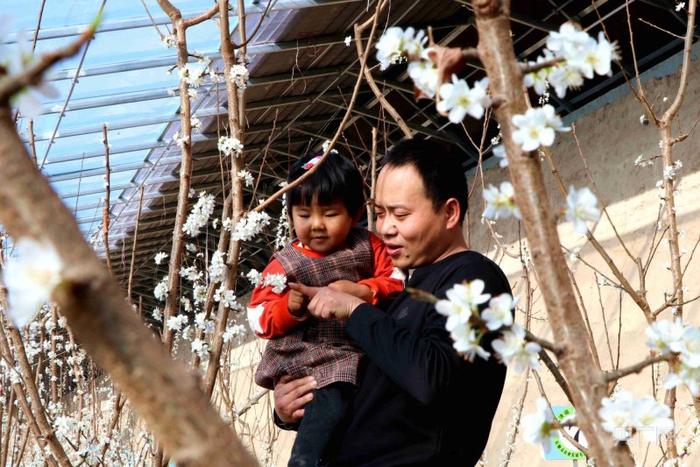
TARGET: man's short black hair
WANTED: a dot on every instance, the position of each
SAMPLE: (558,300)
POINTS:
(337,179)
(438,165)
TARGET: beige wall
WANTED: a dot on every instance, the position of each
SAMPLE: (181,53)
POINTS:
(610,138)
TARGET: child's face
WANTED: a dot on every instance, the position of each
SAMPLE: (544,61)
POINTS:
(322,227)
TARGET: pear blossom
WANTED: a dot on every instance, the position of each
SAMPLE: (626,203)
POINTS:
(157,314)
(193,74)
(684,375)
(17,58)
(30,277)
(169,41)
(499,151)
(247,177)
(466,342)
(616,413)
(425,76)
(514,351)
(500,202)
(461,303)
(175,323)
(159,257)
(230,146)
(217,268)
(665,336)
(199,293)
(581,207)
(249,226)
(539,427)
(161,289)
(278,282)
(689,347)
(499,312)
(254,276)
(200,348)
(565,77)
(228,298)
(190,273)
(347,41)
(596,57)
(180,140)
(396,43)
(622,415)
(239,76)
(539,80)
(536,128)
(458,100)
(199,216)
(327,144)
(569,42)
(237,330)
(651,418)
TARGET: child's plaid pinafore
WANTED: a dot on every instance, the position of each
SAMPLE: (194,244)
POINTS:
(318,347)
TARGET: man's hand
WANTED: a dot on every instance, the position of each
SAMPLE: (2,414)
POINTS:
(291,395)
(353,288)
(296,303)
(327,303)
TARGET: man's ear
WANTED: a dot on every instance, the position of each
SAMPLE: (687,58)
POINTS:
(452,211)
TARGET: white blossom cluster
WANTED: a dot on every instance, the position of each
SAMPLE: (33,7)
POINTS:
(540,427)
(397,44)
(227,298)
(169,41)
(500,202)
(193,74)
(237,330)
(217,268)
(230,146)
(200,348)
(570,53)
(30,277)
(175,323)
(623,415)
(159,257)
(278,282)
(467,325)
(190,273)
(15,58)
(161,289)
(683,342)
(254,277)
(239,75)
(199,216)
(249,226)
(581,207)
(247,177)
(179,139)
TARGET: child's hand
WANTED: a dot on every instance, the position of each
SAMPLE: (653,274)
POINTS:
(296,303)
(354,289)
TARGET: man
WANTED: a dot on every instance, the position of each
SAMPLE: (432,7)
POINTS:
(418,402)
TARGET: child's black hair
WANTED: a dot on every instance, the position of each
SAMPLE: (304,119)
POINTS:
(337,179)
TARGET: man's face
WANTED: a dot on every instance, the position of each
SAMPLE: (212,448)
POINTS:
(414,232)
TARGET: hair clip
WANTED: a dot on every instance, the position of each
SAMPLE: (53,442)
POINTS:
(311,163)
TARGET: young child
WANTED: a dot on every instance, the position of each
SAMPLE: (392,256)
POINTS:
(328,251)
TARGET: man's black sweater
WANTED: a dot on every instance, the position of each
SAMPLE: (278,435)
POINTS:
(418,402)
